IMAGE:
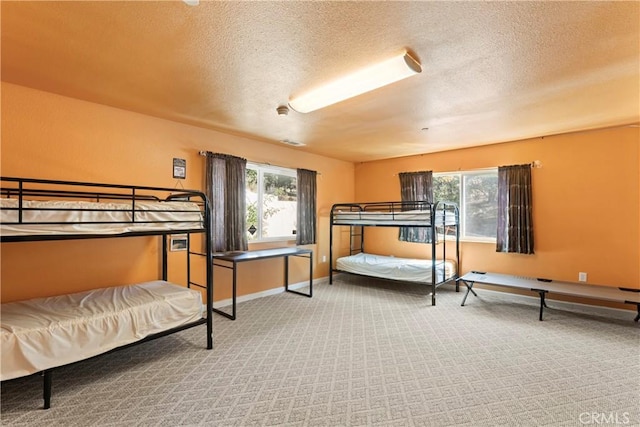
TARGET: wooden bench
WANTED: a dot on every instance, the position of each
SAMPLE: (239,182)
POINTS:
(545,286)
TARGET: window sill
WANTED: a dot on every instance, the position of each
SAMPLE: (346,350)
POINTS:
(273,240)
(472,240)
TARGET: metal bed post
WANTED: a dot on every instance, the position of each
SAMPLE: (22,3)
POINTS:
(432,228)
(164,256)
(209,271)
(444,241)
(331,248)
(457,219)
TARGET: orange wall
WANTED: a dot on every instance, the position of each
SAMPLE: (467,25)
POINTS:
(586,205)
(53,137)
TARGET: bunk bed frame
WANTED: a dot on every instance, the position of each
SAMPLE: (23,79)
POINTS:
(23,199)
(440,216)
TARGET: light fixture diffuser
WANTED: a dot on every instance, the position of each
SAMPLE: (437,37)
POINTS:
(365,80)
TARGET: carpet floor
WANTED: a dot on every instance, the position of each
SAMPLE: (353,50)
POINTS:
(360,352)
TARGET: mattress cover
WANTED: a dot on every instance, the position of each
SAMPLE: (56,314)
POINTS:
(43,333)
(412,217)
(67,217)
(388,267)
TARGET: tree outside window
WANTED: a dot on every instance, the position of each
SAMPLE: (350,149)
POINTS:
(476,194)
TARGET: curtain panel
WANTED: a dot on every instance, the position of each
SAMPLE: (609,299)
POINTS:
(515,225)
(416,186)
(225,187)
(306,212)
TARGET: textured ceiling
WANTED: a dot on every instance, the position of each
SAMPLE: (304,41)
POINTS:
(492,72)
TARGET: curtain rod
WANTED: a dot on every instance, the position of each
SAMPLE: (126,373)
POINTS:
(536,164)
(204,153)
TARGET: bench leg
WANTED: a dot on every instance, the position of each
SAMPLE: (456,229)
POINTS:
(469,286)
(638,316)
(543,303)
(46,392)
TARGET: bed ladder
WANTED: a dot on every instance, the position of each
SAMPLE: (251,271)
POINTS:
(355,233)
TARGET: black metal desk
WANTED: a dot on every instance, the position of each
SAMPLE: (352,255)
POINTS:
(232,259)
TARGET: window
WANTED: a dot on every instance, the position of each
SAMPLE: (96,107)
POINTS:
(271,203)
(476,193)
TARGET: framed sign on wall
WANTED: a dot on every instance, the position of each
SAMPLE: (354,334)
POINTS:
(179,168)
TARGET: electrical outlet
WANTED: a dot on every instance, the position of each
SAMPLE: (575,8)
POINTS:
(324,258)
(582,277)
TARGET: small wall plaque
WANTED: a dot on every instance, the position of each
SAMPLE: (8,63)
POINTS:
(179,168)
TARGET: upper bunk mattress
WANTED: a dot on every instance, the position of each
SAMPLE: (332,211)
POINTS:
(400,218)
(387,267)
(43,333)
(66,217)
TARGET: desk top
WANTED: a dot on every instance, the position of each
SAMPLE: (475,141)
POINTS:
(240,256)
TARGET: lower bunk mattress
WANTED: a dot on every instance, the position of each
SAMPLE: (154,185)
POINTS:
(394,268)
(44,333)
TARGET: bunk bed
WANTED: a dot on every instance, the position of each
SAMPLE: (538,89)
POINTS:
(441,218)
(39,335)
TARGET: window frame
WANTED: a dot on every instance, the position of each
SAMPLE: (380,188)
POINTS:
(462,203)
(261,169)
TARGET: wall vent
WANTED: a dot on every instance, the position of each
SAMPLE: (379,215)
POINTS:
(292,143)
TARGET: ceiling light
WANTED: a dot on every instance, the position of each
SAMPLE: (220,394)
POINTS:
(192,2)
(357,83)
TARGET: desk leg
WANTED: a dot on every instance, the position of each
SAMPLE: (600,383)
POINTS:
(286,276)
(311,280)
(286,273)
(235,290)
(231,316)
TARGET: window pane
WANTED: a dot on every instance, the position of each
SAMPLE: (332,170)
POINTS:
(480,205)
(446,188)
(278,205)
(271,203)
(252,205)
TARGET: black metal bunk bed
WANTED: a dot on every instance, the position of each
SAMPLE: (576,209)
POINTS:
(36,210)
(441,218)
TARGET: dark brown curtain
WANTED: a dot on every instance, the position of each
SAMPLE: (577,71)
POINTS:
(225,186)
(306,212)
(515,225)
(416,186)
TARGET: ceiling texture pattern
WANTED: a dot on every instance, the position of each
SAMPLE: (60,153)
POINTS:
(491,72)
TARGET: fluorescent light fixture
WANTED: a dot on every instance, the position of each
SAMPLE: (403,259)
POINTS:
(192,2)
(367,79)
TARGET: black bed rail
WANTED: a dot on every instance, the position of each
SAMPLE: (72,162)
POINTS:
(398,211)
(124,208)
(21,188)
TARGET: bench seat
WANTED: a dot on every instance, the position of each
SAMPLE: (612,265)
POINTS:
(545,286)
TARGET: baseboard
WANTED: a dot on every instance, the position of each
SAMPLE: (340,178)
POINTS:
(274,291)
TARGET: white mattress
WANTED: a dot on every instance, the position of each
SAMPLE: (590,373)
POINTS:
(96,218)
(43,333)
(413,217)
(387,267)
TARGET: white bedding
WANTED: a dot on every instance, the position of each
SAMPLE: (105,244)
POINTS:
(43,333)
(96,218)
(412,217)
(387,267)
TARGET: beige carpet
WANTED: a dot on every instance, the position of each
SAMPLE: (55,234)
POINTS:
(360,352)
